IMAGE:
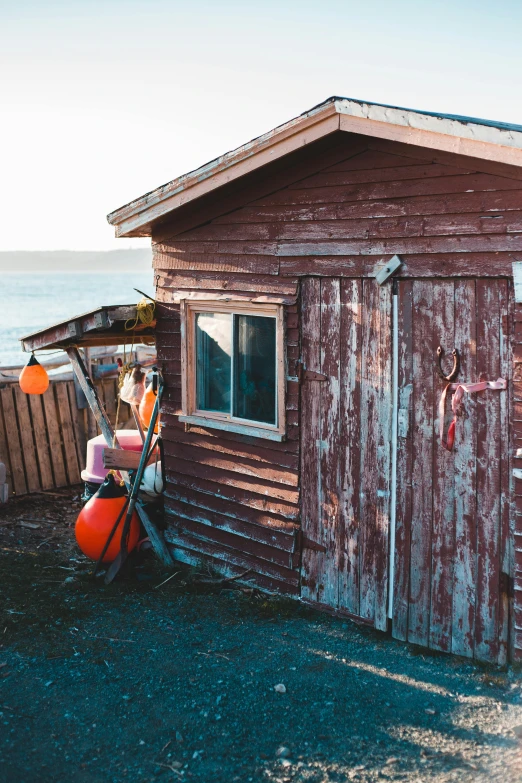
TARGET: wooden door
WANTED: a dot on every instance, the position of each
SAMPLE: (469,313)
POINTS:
(453,514)
(345,445)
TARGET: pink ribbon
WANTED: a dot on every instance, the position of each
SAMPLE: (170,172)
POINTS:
(456,402)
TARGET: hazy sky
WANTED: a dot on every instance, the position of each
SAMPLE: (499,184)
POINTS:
(102,101)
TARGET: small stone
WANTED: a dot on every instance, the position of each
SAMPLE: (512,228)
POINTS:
(282,752)
(280,688)
(430,711)
(517,730)
(286,763)
(179,736)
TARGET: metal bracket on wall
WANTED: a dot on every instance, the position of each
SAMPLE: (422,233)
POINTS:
(385,272)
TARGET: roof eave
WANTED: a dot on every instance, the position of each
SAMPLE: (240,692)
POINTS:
(104,325)
(447,134)
(134,218)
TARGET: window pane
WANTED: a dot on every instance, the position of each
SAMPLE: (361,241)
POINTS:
(213,361)
(255,368)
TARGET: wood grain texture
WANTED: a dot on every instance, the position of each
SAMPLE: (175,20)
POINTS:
(26,439)
(460,511)
(313,561)
(390,190)
(443,470)
(487,202)
(375,451)
(333,178)
(350,443)
(345,445)
(465,467)
(41,441)
(506,603)
(488,474)
(67,430)
(4,450)
(330,475)
(403,522)
(12,438)
(422,461)
(427,265)
(323,228)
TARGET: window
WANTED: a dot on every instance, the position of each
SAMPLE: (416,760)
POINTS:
(233,373)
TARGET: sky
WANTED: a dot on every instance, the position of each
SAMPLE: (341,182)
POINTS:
(101,102)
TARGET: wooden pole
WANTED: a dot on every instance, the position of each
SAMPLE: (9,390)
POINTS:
(91,422)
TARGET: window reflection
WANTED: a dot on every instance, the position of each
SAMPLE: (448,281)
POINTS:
(236,352)
(213,361)
(255,368)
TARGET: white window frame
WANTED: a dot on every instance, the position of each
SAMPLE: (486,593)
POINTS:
(215,419)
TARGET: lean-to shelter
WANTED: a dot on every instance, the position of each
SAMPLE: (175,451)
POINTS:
(328,296)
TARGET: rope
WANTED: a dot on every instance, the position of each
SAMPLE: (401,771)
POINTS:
(456,401)
(144,315)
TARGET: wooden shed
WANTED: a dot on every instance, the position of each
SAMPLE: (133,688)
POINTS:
(305,283)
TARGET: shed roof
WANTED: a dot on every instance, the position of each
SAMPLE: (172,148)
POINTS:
(106,325)
(489,140)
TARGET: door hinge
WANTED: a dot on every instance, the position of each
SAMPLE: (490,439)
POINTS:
(307,375)
(307,543)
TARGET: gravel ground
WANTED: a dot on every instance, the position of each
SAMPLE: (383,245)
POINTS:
(132,683)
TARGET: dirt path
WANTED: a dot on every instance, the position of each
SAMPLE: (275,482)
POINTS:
(128,683)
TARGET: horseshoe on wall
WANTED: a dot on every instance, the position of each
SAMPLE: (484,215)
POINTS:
(456,364)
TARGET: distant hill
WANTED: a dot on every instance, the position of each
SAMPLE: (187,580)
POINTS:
(135,260)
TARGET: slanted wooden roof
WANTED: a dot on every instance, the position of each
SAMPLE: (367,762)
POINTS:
(487,140)
(103,326)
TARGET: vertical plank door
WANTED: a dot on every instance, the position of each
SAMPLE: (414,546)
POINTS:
(345,431)
(452,543)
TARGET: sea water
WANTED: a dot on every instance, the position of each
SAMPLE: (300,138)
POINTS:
(32,301)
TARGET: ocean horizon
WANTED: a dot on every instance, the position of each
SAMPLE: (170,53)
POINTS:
(34,300)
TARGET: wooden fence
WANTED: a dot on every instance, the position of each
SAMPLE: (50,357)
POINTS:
(43,437)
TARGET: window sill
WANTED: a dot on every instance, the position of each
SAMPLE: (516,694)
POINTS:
(232,426)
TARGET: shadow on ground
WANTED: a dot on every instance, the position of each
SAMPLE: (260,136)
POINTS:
(129,682)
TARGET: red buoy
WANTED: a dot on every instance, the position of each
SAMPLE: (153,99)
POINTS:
(98,517)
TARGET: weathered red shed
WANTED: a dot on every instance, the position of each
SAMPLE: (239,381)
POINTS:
(301,417)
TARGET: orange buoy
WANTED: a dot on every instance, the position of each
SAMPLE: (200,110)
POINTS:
(33,378)
(146,406)
(98,517)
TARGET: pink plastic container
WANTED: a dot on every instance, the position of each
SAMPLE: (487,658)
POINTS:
(94,470)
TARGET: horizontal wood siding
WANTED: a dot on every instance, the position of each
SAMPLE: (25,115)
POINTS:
(345,218)
(340,210)
(231,500)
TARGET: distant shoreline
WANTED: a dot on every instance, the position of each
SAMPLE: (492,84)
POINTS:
(88,261)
